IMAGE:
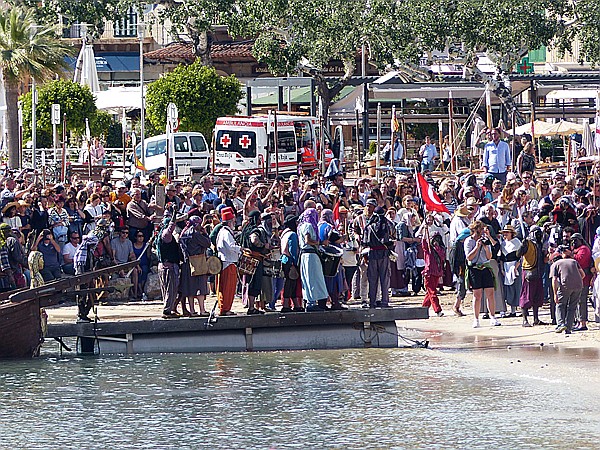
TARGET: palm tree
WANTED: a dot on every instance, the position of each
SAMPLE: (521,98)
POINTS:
(26,50)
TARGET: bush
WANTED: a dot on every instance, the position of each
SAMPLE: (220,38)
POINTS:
(201,96)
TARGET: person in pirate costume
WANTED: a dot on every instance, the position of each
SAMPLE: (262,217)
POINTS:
(169,258)
(255,241)
(83,262)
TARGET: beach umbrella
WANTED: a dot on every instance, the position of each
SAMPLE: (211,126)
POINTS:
(587,139)
(539,127)
(563,128)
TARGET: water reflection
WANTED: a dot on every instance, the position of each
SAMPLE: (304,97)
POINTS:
(377,398)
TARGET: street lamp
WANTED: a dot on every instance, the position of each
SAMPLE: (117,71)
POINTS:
(141,26)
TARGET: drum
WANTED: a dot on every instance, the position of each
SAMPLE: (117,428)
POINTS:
(215,265)
(247,264)
(330,259)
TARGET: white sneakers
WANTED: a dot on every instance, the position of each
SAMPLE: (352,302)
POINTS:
(493,322)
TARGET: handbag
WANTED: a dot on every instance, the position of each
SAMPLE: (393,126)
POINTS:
(293,272)
(198,265)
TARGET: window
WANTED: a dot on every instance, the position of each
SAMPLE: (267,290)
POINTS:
(304,134)
(242,142)
(286,141)
(126,26)
(156,147)
(198,144)
(181,144)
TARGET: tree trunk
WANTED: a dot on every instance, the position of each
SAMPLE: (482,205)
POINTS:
(202,46)
(12,121)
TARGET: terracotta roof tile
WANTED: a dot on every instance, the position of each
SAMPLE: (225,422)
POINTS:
(178,52)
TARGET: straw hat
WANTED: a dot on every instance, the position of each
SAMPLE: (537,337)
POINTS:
(462,211)
(508,229)
(10,205)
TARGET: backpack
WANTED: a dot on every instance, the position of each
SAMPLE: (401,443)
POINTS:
(214,233)
(457,257)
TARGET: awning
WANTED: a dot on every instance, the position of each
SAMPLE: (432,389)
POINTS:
(118,62)
(114,100)
(113,62)
(566,94)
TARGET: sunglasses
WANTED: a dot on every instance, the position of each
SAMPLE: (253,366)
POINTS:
(139,235)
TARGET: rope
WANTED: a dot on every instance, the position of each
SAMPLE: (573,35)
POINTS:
(412,343)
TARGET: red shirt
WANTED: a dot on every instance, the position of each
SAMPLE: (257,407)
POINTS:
(583,255)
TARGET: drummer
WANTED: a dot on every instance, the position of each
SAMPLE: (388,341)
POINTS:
(229,252)
(378,238)
(330,241)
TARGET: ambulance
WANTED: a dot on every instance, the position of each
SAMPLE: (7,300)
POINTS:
(244,145)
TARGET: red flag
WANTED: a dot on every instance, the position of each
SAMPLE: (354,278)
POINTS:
(430,198)
(336,212)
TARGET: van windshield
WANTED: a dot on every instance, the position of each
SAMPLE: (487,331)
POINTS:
(242,142)
(181,144)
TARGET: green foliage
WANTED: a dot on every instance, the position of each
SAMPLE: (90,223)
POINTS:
(28,49)
(201,96)
(372,148)
(114,137)
(100,123)
(75,100)
(93,13)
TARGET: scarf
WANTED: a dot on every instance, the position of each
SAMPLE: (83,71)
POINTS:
(310,216)
(36,263)
(187,233)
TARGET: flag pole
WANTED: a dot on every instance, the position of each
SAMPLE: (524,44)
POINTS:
(378,160)
(441,140)
(454,156)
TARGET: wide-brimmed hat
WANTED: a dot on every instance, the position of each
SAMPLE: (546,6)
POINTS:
(462,211)
(508,229)
(472,201)
(10,205)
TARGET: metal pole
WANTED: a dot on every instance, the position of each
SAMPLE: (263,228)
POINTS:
(403,119)
(20,118)
(365,116)
(124,137)
(358,155)
(514,126)
(451,131)
(33,123)
(64,149)
(276,145)
(54,142)
(141,29)
(392,137)
(378,162)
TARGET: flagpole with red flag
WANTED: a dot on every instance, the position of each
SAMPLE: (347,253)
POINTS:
(430,199)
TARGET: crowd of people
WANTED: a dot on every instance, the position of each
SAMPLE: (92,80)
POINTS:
(314,243)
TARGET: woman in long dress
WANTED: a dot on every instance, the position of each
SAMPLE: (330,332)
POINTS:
(314,290)
(193,241)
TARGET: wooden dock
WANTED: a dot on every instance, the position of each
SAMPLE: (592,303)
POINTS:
(352,328)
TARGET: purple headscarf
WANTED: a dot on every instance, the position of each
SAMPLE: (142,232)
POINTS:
(187,233)
(310,216)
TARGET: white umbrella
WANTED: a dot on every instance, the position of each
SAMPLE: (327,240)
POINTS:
(539,127)
(587,139)
(115,100)
(563,128)
(85,68)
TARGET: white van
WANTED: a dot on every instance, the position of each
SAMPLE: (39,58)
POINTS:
(242,145)
(189,155)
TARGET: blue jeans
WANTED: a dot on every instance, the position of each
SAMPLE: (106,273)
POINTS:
(426,166)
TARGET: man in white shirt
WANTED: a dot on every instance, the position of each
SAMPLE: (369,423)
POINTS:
(496,156)
(229,252)
(68,253)
(428,153)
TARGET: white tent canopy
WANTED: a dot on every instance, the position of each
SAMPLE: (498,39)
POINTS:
(114,100)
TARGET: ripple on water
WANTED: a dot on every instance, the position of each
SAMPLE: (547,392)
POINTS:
(331,399)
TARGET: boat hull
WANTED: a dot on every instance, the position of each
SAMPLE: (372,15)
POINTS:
(20,329)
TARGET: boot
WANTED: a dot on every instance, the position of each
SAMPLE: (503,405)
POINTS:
(322,304)
(525,320)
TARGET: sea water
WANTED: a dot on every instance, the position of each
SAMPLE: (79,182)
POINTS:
(346,399)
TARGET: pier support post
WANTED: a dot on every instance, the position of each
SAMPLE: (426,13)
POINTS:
(87,345)
(367,334)
(129,337)
(249,344)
